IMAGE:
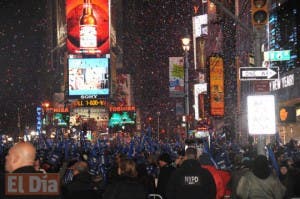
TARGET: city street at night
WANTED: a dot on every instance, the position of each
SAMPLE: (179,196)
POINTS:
(150,99)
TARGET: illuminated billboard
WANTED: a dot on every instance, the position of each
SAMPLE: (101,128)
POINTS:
(121,119)
(88,77)
(287,114)
(261,114)
(87,26)
(95,118)
(61,119)
(176,76)
(216,76)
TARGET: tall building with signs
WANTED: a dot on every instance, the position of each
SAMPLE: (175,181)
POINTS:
(284,35)
(86,48)
(284,32)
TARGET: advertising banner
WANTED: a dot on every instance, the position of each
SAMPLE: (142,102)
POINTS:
(122,118)
(61,32)
(123,94)
(176,76)
(95,118)
(216,70)
(87,26)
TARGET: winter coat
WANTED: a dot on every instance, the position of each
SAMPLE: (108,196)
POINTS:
(163,178)
(125,188)
(191,181)
(80,187)
(252,187)
(221,179)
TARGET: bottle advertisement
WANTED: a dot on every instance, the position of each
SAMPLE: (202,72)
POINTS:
(87,26)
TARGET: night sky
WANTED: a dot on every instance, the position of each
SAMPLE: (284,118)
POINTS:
(21,60)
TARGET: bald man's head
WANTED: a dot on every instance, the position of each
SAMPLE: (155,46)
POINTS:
(20,155)
(80,167)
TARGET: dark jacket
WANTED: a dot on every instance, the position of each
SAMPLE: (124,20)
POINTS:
(125,188)
(80,187)
(163,179)
(192,182)
(27,169)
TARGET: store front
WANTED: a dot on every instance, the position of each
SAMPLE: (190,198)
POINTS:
(287,92)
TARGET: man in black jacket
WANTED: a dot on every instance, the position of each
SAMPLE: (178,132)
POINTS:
(190,180)
(81,185)
(20,160)
(165,171)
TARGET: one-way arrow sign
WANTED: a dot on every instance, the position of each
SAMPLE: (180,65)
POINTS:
(258,73)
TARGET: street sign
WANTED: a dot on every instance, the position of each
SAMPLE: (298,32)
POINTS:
(283,55)
(258,73)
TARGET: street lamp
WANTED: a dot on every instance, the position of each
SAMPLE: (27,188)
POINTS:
(186,47)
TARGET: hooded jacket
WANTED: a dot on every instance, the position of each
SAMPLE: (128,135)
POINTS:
(191,181)
(260,182)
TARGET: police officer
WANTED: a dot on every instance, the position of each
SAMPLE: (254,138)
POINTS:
(190,180)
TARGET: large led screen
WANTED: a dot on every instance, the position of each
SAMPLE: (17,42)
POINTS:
(124,121)
(261,114)
(61,119)
(87,26)
(95,117)
(88,76)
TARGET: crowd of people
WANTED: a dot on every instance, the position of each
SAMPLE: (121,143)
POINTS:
(148,168)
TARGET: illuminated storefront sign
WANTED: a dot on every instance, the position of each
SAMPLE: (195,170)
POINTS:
(121,108)
(57,109)
(91,102)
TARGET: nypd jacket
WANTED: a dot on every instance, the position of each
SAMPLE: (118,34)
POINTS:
(192,182)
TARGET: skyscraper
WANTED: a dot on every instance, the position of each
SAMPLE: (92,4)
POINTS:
(284,32)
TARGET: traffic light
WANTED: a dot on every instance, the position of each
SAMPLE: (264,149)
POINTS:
(260,12)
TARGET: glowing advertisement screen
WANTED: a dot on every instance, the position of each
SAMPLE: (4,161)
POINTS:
(176,76)
(261,114)
(122,121)
(88,76)
(87,26)
(61,119)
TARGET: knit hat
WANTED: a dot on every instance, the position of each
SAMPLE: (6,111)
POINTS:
(284,164)
(261,167)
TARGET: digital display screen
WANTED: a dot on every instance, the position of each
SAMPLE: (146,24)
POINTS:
(122,121)
(201,134)
(88,76)
(61,119)
(97,117)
